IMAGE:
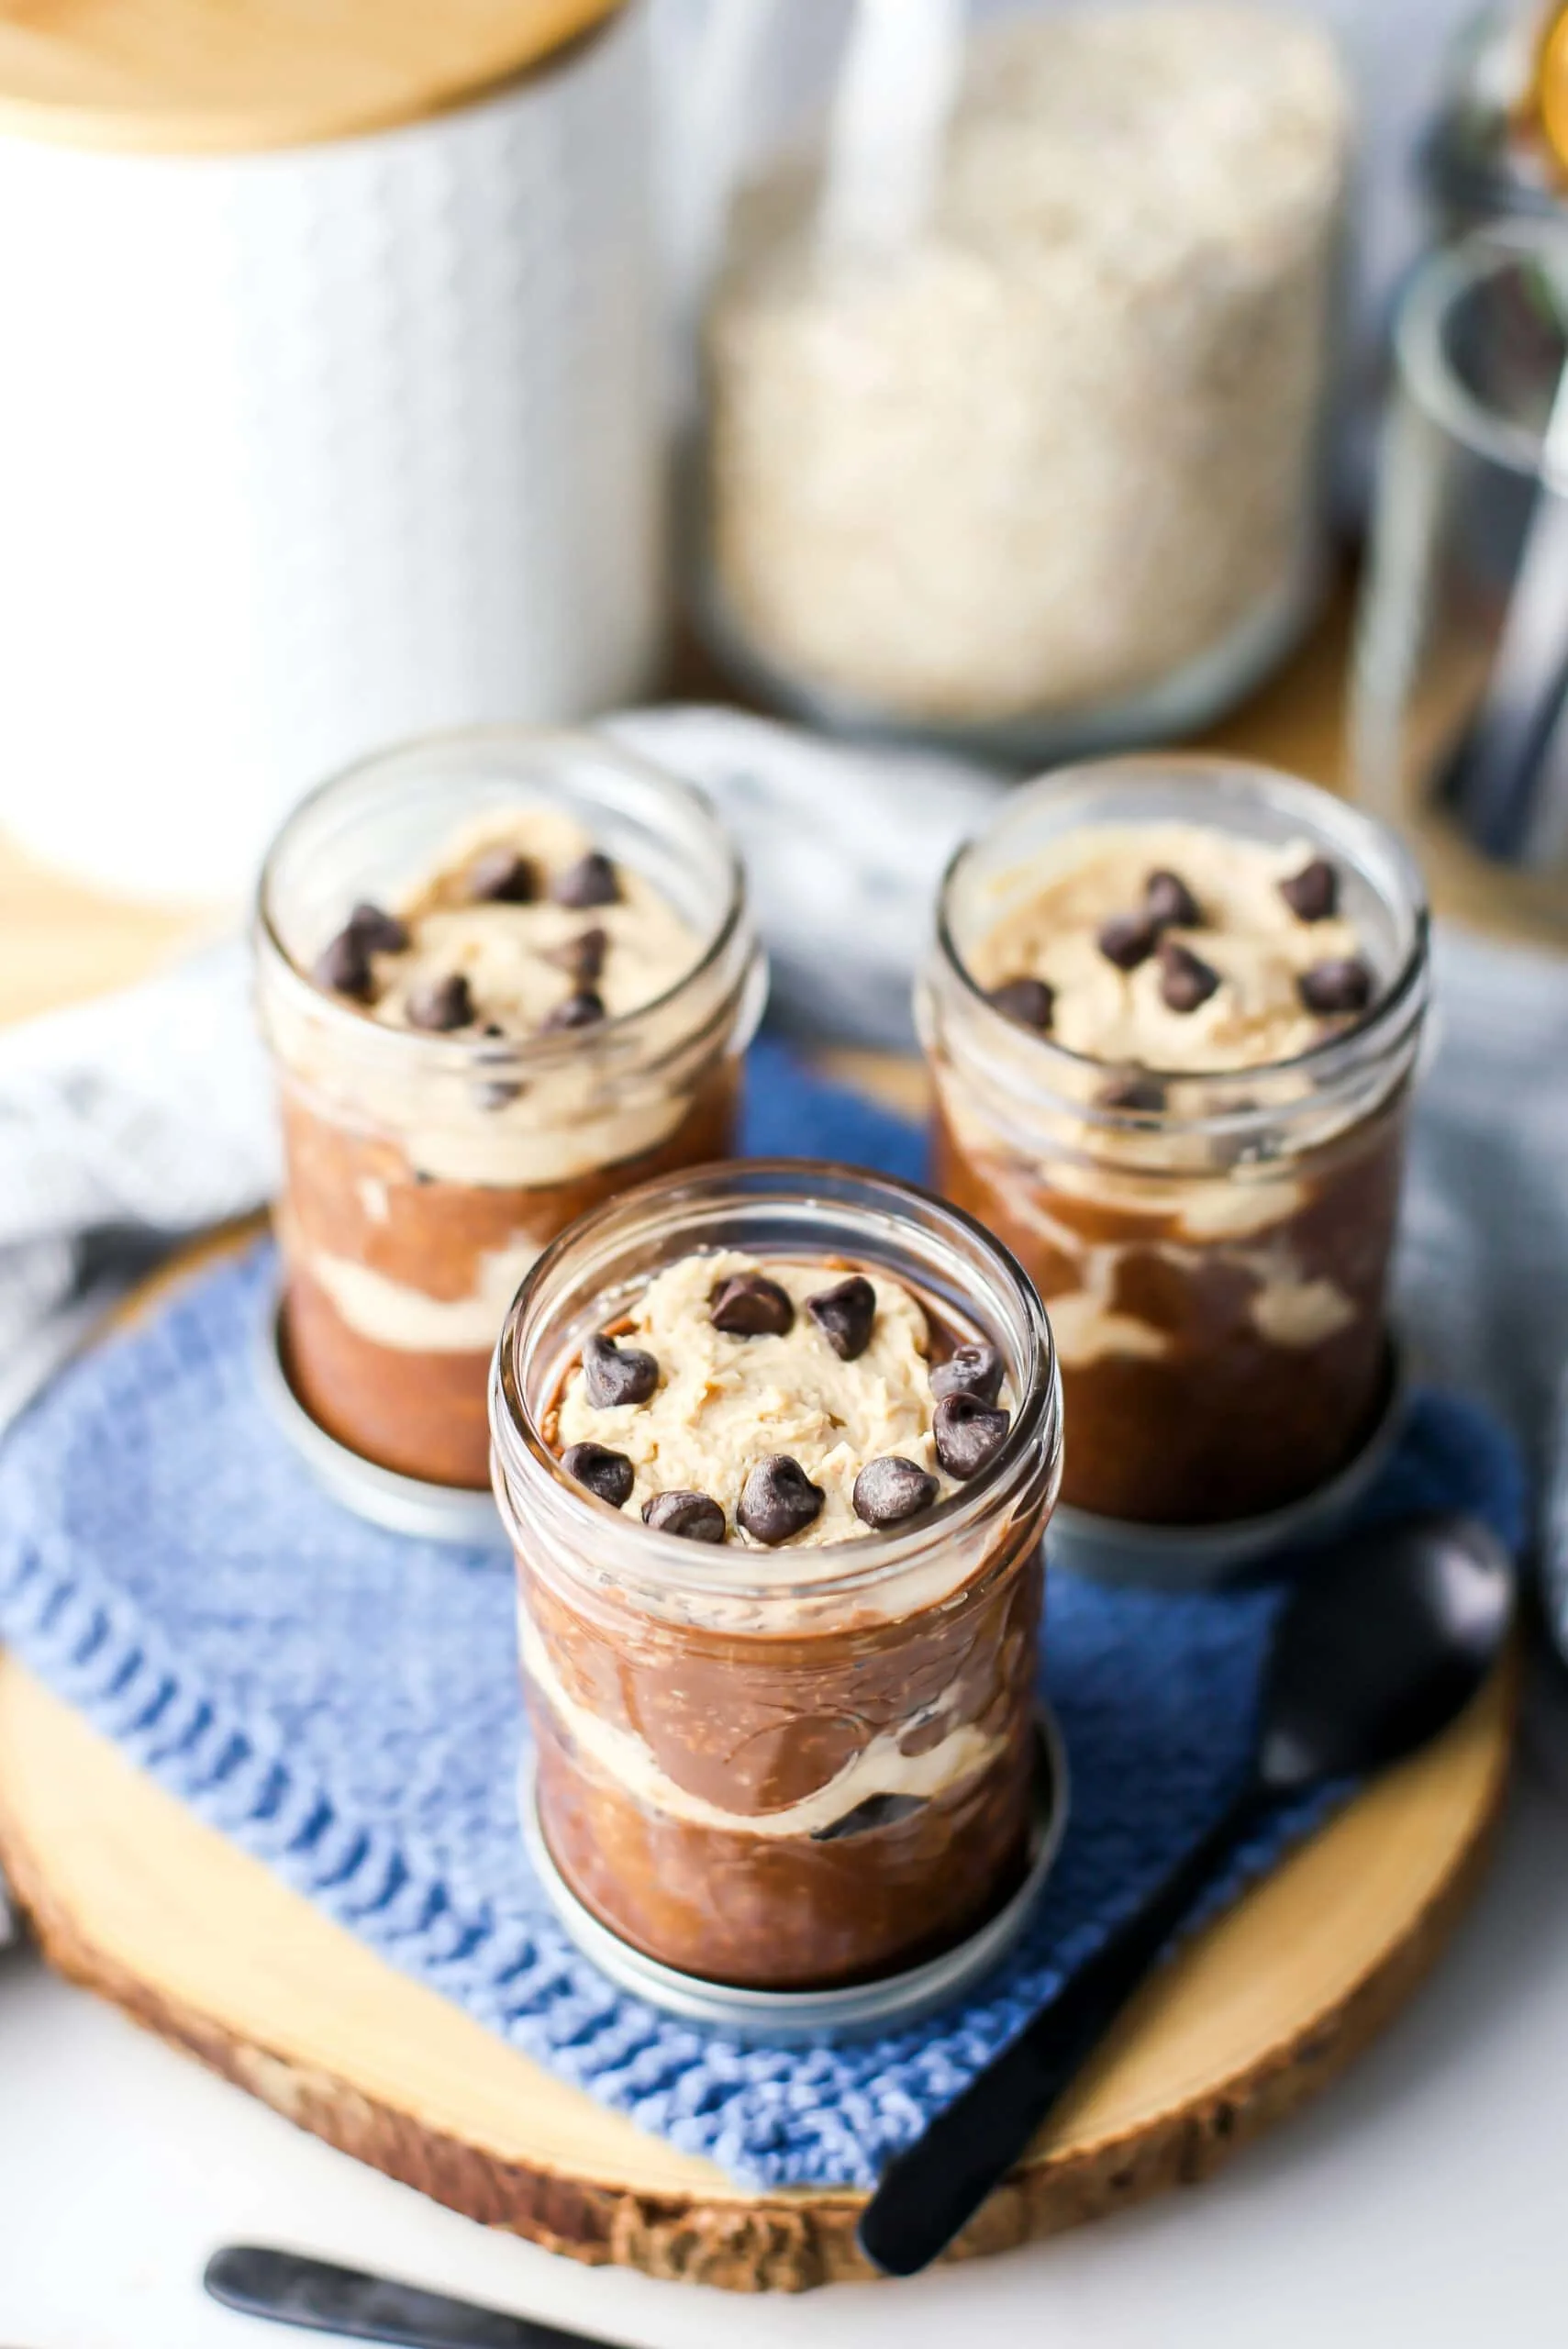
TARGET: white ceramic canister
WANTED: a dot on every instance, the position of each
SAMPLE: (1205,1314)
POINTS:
(330,409)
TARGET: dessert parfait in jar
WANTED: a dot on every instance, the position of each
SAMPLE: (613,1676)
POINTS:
(1172,1016)
(775,1444)
(503,977)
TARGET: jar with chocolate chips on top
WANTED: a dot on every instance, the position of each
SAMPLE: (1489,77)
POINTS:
(503,975)
(775,1444)
(1172,1016)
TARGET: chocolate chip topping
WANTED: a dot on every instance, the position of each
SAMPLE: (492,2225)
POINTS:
(1029,1001)
(1169,903)
(616,1374)
(584,1008)
(891,1489)
(592,881)
(1127,939)
(973,1368)
(968,1433)
(1186,980)
(1137,1091)
(441,1005)
(693,1516)
(344,966)
(748,1305)
(778,1499)
(583,957)
(1342,984)
(503,876)
(845,1316)
(609,1475)
(378,932)
(1313,893)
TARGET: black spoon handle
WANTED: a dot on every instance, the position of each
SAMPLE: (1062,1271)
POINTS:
(292,2289)
(927,2192)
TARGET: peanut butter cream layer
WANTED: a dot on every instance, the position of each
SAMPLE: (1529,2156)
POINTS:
(795,1399)
(1175,947)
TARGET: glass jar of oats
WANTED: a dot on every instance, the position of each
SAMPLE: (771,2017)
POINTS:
(1038,470)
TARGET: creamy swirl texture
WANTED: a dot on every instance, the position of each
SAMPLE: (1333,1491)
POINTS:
(1051,919)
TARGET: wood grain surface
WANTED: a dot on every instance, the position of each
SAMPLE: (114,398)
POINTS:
(134,1898)
(190,76)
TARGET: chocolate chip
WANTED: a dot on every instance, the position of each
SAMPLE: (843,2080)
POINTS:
(609,1475)
(616,1374)
(845,1316)
(592,881)
(1138,1092)
(344,965)
(974,1368)
(1029,1001)
(378,932)
(1127,939)
(502,876)
(748,1305)
(1342,984)
(778,1499)
(891,1489)
(584,1009)
(1168,901)
(1313,893)
(1185,981)
(693,1516)
(878,1811)
(968,1432)
(497,1095)
(583,957)
(441,1005)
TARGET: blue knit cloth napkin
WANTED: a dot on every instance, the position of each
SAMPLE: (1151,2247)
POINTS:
(343,1703)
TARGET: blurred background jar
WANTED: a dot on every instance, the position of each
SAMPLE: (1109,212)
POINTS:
(1016,365)
(1459,717)
(331,402)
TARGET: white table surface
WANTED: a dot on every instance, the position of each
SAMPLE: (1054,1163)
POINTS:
(1424,2200)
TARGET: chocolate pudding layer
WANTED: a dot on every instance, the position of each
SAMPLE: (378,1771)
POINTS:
(779,1761)
(1172,1037)
(478,1038)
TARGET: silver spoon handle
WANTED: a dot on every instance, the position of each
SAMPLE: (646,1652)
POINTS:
(289,2288)
(929,2192)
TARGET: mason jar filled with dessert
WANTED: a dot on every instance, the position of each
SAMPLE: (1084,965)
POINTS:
(1172,1016)
(503,975)
(775,1444)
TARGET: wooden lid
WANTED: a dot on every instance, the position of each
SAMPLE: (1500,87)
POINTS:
(231,77)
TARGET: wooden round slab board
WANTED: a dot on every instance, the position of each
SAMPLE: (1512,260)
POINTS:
(132,1897)
(136,1899)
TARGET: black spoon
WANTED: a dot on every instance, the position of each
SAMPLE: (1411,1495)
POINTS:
(1381,1644)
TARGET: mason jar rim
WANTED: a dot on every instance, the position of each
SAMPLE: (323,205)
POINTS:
(496,1053)
(661,1563)
(1322,814)
(1440,279)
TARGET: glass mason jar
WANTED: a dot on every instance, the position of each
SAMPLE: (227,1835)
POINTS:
(1456,725)
(1013,415)
(1213,1248)
(795,1767)
(425,1172)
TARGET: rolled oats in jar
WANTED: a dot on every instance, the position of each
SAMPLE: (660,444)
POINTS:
(1048,476)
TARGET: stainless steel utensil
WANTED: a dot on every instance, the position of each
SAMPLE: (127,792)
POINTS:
(1377,1649)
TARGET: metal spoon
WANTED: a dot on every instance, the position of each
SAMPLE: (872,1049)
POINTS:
(1381,1645)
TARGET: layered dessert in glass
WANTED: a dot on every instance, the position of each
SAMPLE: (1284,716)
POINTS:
(503,977)
(1171,1020)
(775,1445)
